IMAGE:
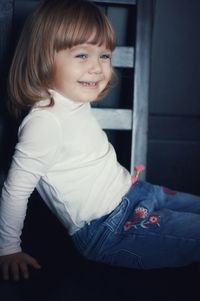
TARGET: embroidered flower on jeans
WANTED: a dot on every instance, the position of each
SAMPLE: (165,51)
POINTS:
(140,212)
(127,226)
(140,219)
(154,219)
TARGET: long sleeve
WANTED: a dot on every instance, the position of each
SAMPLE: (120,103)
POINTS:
(39,139)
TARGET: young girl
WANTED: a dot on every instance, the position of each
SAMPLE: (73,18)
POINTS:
(61,64)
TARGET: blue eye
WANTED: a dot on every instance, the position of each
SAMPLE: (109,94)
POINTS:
(81,56)
(105,56)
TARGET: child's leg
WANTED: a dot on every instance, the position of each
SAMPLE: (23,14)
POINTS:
(142,233)
(165,238)
(175,200)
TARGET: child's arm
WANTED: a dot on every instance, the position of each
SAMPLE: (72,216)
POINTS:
(16,265)
(39,139)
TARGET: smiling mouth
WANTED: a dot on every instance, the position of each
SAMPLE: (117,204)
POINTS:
(88,84)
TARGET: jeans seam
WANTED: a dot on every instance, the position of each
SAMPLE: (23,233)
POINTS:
(113,228)
(99,244)
(163,235)
(139,257)
(80,245)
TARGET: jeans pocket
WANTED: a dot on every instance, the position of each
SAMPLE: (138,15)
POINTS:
(123,258)
(115,219)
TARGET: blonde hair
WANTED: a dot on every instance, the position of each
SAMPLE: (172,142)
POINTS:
(55,25)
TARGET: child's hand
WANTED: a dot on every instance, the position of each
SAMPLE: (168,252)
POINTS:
(16,265)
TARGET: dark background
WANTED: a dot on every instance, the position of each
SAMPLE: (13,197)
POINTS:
(173,160)
(174,122)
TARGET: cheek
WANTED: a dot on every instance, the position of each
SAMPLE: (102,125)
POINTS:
(112,75)
(109,73)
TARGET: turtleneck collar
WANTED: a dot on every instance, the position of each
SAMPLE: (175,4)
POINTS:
(59,99)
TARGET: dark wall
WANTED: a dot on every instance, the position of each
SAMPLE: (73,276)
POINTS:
(174,121)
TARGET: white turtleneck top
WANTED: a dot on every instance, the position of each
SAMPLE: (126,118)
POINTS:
(65,155)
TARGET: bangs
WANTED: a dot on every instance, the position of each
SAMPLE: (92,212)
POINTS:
(86,26)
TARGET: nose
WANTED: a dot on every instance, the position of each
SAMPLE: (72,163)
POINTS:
(95,66)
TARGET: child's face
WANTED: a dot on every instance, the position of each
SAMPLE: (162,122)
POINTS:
(82,72)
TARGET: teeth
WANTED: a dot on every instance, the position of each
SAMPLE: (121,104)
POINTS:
(89,84)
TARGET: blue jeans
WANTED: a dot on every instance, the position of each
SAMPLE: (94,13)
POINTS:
(152,227)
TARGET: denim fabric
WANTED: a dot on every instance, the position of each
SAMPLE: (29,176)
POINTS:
(152,227)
